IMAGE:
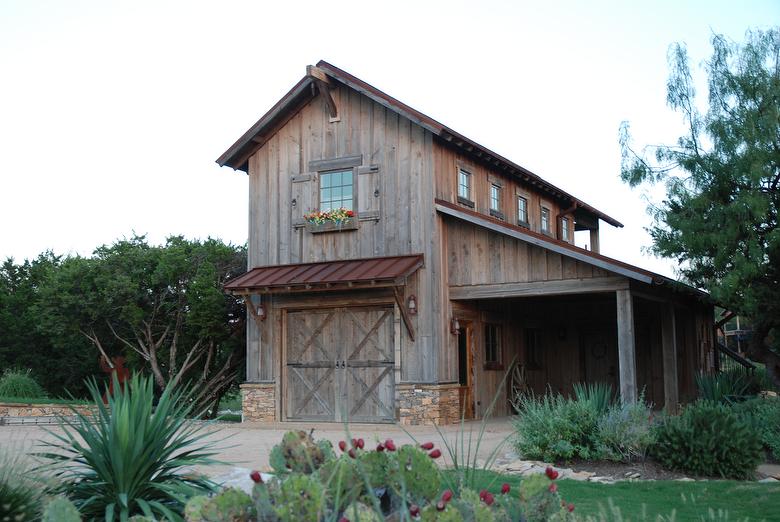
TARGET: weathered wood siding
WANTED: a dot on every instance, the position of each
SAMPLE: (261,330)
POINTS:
(399,219)
(447,162)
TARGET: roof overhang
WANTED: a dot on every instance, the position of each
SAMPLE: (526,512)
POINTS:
(238,154)
(566,249)
(353,274)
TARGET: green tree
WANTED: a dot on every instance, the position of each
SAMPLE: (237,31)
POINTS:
(161,306)
(719,218)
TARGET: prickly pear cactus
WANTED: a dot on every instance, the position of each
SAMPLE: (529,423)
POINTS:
(358,511)
(431,513)
(541,503)
(60,509)
(342,481)
(194,508)
(229,505)
(472,508)
(300,497)
(298,453)
(374,466)
(141,518)
(415,473)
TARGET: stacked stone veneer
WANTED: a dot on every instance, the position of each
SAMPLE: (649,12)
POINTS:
(258,402)
(427,404)
(12,409)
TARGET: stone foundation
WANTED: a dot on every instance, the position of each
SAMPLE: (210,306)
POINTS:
(258,402)
(427,404)
(14,409)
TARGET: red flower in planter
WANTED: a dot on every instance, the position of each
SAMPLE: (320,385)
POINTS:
(504,488)
(256,477)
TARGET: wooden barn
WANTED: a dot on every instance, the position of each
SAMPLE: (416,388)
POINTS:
(447,265)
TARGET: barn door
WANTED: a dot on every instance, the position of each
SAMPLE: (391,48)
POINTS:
(369,380)
(312,351)
(340,364)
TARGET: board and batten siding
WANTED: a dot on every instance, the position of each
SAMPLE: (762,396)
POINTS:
(401,222)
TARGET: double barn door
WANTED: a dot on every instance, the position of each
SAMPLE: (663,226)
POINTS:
(340,365)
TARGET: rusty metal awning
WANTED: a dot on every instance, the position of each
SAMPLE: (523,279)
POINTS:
(327,275)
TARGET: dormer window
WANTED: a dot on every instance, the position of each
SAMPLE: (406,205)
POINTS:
(464,187)
(545,220)
(565,230)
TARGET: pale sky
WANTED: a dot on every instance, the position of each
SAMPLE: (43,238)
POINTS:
(112,113)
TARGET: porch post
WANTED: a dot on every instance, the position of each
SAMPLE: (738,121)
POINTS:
(669,343)
(626,346)
(252,341)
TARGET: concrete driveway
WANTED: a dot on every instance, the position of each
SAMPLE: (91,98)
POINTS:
(248,445)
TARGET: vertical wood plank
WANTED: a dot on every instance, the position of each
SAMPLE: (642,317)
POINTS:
(626,346)
(669,350)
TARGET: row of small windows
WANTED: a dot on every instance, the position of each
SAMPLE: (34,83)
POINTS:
(464,193)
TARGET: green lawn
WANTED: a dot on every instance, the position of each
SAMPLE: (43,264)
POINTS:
(17,400)
(644,500)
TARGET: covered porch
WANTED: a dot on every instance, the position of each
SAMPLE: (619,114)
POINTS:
(643,341)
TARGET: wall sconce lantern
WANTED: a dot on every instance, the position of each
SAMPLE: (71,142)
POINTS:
(411,304)
(455,326)
(261,312)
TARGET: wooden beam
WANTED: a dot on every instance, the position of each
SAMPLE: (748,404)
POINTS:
(399,299)
(539,288)
(318,74)
(626,346)
(669,348)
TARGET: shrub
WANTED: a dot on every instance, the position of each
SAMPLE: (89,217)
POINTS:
(554,428)
(708,439)
(60,509)
(19,384)
(625,431)
(129,458)
(762,415)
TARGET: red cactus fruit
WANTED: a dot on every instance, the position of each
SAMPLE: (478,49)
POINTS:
(414,510)
(551,473)
(361,443)
(504,488)
(488,499)
(380,447)
(553,488)
(427,446)
(447,495)
(351,453)
(482,494)
(390,445)
(343,519)
(440,505)
(256,477)
(570,507)
(354,443)
(435,454)
(342,445)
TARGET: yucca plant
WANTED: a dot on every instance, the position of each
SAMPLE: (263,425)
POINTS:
(598,395)
(725,387)
(132,457)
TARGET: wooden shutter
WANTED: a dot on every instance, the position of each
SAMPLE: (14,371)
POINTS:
(303,198)
(369,193)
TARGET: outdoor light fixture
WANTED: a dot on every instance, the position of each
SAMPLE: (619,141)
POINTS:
(454,326)
(261,312)
(411,304)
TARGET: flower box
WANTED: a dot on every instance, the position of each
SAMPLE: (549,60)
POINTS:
(331,221)
(332,226)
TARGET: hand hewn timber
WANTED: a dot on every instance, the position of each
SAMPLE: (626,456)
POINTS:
(398,294)
(540,288)
(626,346)
(669,344)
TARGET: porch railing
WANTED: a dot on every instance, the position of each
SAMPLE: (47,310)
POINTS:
(733,360)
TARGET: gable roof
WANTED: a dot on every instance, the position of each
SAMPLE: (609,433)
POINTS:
(237,156)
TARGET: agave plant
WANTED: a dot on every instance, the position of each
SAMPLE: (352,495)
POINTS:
(132,458)
(21,490)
